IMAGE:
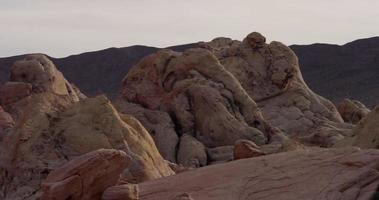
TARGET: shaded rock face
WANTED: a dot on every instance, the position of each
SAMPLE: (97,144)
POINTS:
(271,76)
(191,152)
(52,127)
(220,154)
(121,192)
(352,111)
(159,125)
(322,174)
(6,123)
(366,133)
(85,177)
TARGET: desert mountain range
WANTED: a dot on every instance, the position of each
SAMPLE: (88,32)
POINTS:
(218,120)
(333,71)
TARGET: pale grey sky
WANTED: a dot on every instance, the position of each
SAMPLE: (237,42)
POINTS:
(62,28)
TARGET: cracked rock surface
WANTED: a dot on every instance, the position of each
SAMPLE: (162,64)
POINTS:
(319,174)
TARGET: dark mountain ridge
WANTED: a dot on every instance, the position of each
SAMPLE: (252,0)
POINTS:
(333,71)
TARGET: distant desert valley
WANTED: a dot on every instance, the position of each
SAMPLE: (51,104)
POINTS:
(223,119)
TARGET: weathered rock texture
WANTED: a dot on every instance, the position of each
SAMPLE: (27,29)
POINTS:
(271,76)
(228,90)
(85,177)
(320,174)
(352,111)
(202,98)
(51,127)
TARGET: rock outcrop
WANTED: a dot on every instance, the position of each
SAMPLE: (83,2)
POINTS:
(320,174)
(51,127)
(85,177)
(204,99)
(226,91)
(352,111)
(271,75)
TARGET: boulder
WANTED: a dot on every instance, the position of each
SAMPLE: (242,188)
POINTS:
(352,111)
(121,192)
(246,149)
(85,177)
(191,152)
(320,174)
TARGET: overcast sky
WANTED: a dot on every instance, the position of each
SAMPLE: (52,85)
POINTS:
(62,28)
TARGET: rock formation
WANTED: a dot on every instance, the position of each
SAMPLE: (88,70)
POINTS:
(51,126)
(352,111)
(85,177)
(320,174)
(226,91)
(271,76)
(242,107)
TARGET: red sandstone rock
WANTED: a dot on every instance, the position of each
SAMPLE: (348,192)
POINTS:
(318,174)
(85,177)
(246,149)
